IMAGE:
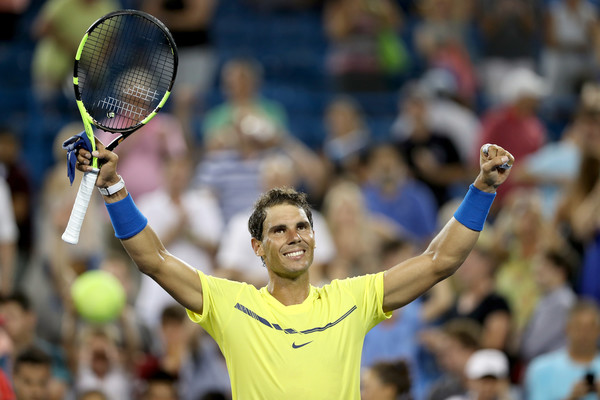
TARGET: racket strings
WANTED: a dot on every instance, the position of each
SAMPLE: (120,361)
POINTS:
(126,67)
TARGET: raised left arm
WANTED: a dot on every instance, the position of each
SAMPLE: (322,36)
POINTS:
(447,251)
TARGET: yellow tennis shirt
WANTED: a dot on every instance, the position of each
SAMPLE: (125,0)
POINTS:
(306,351)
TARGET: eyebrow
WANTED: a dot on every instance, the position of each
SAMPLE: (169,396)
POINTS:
(284,226)
(276,227)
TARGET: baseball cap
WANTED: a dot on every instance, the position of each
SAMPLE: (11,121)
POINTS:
(487,363)
(523,82)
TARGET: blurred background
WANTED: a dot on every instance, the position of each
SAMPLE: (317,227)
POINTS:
(376,109)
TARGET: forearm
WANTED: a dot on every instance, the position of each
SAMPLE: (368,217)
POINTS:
(450,247)
(456,240)
(144,247)
(446,252)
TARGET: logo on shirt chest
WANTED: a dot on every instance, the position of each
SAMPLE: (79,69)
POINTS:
(297,346)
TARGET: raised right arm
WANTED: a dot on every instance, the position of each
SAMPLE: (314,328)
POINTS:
(178,278)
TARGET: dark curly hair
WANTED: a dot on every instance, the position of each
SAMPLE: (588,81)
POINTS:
(275,197)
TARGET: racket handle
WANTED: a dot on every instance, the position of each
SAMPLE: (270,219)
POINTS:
(84,194)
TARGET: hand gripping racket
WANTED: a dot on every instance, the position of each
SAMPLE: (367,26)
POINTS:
(124,70)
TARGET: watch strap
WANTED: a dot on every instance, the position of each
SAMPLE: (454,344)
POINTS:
(112,189)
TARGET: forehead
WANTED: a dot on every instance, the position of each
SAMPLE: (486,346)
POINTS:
(33,369)
(284,214)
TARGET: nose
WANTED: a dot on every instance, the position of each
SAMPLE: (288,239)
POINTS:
(294,236)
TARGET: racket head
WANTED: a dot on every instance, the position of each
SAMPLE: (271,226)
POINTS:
(124,70)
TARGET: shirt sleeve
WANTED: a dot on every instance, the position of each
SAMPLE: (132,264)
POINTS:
(368,293)
(218,297)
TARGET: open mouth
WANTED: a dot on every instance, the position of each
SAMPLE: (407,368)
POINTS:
(295,254)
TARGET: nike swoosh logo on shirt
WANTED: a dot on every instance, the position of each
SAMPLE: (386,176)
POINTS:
(297,346)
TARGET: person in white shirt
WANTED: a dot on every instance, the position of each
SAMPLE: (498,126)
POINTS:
(8,239)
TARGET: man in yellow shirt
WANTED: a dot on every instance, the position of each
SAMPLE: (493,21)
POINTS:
(290,340)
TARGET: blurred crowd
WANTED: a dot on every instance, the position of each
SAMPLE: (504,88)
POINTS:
(519,320)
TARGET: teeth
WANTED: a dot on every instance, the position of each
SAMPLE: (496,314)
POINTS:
(295,254)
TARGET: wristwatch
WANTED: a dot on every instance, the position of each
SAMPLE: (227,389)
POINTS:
(112,189)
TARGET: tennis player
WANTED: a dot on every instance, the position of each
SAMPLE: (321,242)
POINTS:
(291,340)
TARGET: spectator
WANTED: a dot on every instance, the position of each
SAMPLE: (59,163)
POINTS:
(568,53)
(60,262)
(243,108)
(8,240)
(572,222)
(389,192)
(520,233)
(477,299)
(32,375)
(11,14)
(431,156)
(442,40)
(509,33)
(514,124)
(357,233)
(183,351)
(487,373)
(58,35)
(446,114)
(382,344)
(453,344)
(233,174)
(99,363)
(538,168)
(143,156)
(160,385)
(386,380)
(20,323)
(6,390)
(355,30)
(347,137)
(130,325)
(189,223)
(21,191)
(561,373)
(189,22)
(545,330)
(587,227)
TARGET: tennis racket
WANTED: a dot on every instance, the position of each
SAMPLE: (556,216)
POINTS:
(124,71)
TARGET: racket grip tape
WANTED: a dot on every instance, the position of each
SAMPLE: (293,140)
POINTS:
(86,188)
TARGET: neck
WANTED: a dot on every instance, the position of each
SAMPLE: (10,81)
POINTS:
(552,286)
(23,341)
(582,355)
(289,291)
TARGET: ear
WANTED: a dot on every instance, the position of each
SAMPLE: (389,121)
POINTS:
(257,247)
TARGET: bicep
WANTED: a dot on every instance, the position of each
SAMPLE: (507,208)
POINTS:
(175,276)
(408,280)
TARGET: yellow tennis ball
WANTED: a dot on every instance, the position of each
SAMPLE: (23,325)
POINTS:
(98,296)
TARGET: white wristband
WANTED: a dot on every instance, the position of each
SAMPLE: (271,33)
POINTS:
(109,191)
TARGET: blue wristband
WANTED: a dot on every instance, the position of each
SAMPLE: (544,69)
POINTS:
(474,208)
(125,217)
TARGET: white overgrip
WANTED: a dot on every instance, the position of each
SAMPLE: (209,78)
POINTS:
(84,194)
